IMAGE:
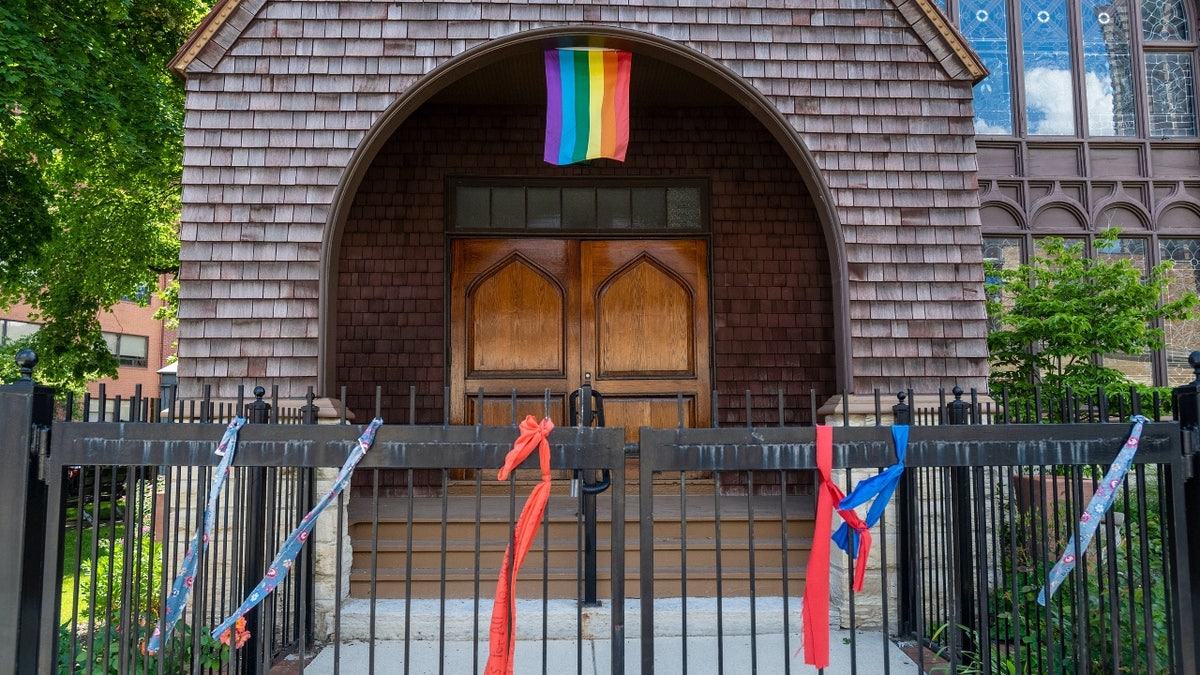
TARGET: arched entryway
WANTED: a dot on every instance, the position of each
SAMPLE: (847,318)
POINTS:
(770,252)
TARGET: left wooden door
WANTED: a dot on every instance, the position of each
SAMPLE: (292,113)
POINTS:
(514,328)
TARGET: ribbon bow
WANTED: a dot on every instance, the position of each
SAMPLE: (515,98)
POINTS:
(879,487)
(504,609)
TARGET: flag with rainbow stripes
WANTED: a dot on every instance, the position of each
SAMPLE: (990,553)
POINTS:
(587,104)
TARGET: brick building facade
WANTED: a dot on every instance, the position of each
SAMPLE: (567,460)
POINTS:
(834,146)
(141,344)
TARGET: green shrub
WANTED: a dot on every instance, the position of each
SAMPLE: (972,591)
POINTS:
(1076,633)
(1056,317)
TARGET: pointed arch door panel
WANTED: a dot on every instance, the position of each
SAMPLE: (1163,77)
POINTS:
(645,330)
(535,314)
(512,304)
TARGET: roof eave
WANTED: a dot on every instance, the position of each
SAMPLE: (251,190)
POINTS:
(957,44)
(200,37)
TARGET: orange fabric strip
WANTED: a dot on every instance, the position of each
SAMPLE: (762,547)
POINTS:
(502,643)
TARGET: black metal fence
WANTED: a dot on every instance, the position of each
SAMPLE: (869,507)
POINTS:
(721,524)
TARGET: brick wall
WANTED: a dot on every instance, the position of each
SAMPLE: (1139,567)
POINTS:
(771,297)
(285,92)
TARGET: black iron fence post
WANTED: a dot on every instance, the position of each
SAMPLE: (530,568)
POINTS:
(26,411)
(958,412)
(907,515)
(258,411)
(1186,399)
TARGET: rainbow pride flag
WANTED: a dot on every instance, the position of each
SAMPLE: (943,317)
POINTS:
(587,104)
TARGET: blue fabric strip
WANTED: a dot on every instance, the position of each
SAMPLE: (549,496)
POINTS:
(1097,507)
(286,557)
(878,487)
(182,587)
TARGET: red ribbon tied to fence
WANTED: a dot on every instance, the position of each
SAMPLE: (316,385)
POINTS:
(502,643)
(815,610)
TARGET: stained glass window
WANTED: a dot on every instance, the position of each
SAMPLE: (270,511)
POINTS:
(1133,250)
(1170,84)
(1108,68)
(1181,336)
(1108,89)
(1049,91)
(1164,20)
(985,24)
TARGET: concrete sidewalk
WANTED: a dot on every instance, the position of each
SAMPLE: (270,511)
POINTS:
(445,642)
(562,656)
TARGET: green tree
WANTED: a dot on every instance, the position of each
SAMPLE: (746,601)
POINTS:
(91,143)
(1056,317)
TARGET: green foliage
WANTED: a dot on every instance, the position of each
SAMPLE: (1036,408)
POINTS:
(100,652)
(1075,632)
(105,578)
(972,658)
(91,128)
(1057,316)
(127,583)
(168,313)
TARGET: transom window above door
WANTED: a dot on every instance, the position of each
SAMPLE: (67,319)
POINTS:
(578,206)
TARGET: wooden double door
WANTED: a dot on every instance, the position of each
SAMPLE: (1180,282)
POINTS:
(531,315)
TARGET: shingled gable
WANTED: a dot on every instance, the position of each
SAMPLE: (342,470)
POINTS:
(855,118)
(228,18)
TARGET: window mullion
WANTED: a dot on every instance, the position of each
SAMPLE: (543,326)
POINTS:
(1078,69)
(1016,56)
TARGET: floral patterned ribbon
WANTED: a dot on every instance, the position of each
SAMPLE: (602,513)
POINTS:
(291,546)
(1099,505)
(191,558)
(880,487)
(502,640)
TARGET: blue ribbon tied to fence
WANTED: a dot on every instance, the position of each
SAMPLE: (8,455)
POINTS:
(286,557)
(879,487)
(1097,507)
(182,586)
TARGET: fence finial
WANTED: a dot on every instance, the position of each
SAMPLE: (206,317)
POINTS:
(958,410)
(259,411)
(901,412)
(308,412)
(27,360)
